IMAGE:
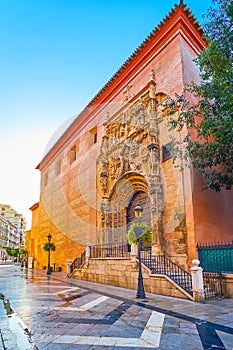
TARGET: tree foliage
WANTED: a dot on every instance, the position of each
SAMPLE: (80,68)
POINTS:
(22,251)
(12,251)
(145,236)
(209,121)
(49,246)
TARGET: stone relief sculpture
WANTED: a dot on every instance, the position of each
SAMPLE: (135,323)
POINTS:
(154,157)
(134,149)
(115,166)
(104,181)
(140,115)
(130,146)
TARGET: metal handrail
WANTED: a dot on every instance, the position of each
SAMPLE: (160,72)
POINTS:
(161,264)
(213,285)
(78,262)
(83,258)
(158,264)
(114,250)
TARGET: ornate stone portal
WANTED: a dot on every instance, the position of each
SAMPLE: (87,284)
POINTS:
(129,162)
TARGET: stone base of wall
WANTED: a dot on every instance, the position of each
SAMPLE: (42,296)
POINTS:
(123,272)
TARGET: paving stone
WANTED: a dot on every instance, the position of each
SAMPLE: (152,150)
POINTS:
(115,320)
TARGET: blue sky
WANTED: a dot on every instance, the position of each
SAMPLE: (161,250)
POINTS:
(55,56)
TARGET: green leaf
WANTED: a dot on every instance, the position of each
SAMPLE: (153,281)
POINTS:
(146,235)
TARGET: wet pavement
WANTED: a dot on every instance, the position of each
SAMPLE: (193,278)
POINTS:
(40,311)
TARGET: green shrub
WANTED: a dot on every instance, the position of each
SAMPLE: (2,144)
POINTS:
(146,235)
(49,246)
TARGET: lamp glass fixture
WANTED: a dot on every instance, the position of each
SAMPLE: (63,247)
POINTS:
(138,211)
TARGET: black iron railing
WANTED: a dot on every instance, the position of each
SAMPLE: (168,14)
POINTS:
(216,257)
(213,285)
(115,250)
(161,264)
(78,262)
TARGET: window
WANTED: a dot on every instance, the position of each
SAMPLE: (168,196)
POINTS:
(73,154)
(58,167)
(93,136)
(166,151)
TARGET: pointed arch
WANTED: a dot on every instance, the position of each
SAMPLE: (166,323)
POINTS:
(131,184)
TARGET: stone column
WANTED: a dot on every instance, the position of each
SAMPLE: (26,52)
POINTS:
(88,250)
(88,253)
(156,212)
(69,262)
(197,281)
(30,262)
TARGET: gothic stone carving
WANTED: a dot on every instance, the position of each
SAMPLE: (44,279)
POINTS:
(130,145)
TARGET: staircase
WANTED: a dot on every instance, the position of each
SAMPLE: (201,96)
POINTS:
(77,263)
(161,264)
(157,264)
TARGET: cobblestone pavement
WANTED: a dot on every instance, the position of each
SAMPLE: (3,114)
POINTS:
(38,311)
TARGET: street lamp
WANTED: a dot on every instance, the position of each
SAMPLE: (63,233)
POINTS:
(49,241)
(138,231)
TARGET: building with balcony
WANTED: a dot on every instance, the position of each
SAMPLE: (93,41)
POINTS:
(16,219)
(9,236)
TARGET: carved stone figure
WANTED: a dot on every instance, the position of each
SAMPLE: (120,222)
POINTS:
(104,181)
(112,139)
(153,148)
(141,115)
(115,167)
(104,145)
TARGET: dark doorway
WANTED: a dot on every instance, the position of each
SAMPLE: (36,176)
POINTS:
(142,199)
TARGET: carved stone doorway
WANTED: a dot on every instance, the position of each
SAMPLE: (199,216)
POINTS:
(142,199)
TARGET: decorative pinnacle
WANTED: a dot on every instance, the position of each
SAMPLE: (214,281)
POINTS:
(152,75)
(181,2)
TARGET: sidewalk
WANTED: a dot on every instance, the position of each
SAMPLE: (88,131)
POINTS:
(63,313)
(219,310)
(8,262)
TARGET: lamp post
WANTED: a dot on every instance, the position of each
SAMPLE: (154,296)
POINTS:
(138,231)
(49,241)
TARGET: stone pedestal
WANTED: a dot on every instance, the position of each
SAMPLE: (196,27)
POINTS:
(69,262)
(197,281)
